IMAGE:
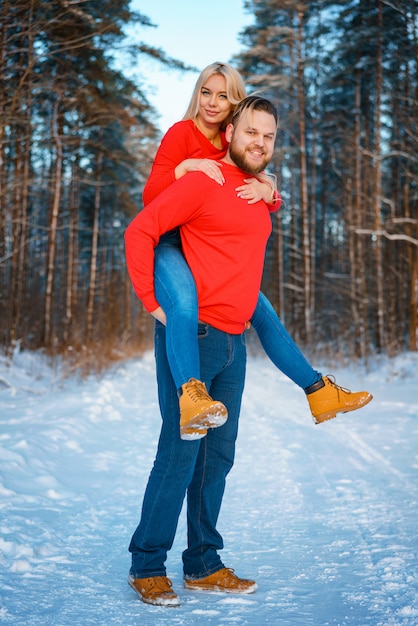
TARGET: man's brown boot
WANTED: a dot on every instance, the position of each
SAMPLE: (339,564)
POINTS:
(154,590)
(198,411)
(326,399)
(224,580)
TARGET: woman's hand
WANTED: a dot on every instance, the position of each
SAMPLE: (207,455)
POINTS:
(160,315)
(211,168)
(254,190)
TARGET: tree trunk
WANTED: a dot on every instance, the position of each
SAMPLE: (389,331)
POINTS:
(93,264)
(358,283)
(70,294)
(380,305)
(306,254)
(56,137)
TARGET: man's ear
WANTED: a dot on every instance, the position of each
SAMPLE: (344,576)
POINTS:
(229,130)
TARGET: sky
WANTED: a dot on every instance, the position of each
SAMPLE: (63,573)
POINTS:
(198,34)
(324,517)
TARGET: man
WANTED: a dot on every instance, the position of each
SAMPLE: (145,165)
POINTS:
(224,241)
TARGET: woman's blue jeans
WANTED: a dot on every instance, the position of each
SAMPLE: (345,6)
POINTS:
(279,345)
(176,293)
(198,468)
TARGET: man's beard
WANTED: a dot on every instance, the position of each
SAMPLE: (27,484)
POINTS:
(240,159)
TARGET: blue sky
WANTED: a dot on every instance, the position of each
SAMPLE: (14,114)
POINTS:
(198,34)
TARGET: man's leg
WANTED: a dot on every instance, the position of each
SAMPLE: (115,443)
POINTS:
(170,476)
(223,362)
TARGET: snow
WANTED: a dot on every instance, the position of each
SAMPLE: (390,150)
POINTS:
(324,518)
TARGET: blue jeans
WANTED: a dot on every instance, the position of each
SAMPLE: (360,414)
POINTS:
(279,345)
(198,468)
(176,293)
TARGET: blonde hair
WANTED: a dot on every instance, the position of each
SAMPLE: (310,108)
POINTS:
(235,89)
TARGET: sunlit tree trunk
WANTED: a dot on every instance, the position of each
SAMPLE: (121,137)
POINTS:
(17,119)
(358,286)
(71,278)
(93,264)
(306,252)
(22,190)
(56,137)
(377,197)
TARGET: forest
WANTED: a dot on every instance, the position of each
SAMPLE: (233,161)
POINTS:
(77,139)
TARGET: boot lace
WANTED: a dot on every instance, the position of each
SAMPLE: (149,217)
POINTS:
(159,583)
(331,379)
(228,572)
(230,578)
(196,390)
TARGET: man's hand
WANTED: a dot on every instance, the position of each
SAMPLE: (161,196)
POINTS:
(160,315)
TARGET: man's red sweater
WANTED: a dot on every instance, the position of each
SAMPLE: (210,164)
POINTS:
(224,240)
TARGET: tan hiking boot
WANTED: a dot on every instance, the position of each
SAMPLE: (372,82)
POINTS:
(198,411)
(190,434)
(224,581)
(326,399)
(155,590)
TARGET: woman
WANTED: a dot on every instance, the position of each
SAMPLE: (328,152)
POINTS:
(192,145)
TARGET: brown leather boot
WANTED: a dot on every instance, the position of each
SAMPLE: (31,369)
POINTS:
(224,580)
(198,411)
(326,399)
(154,590)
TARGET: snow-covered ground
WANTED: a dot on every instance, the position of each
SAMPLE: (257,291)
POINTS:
(325,518)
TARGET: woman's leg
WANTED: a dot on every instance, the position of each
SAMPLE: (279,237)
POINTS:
(175,290)
(324,396)
(280,347)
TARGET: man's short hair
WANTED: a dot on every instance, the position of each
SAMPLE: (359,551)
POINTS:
(254,103)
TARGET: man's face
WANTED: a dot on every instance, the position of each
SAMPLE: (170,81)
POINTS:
(251,141)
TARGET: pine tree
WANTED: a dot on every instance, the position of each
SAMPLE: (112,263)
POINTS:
(75,140)
(344,77)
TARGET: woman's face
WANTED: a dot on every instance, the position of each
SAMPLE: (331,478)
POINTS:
(214,106)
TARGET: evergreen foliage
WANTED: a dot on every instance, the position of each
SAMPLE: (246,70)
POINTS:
(76,143)
(344,78)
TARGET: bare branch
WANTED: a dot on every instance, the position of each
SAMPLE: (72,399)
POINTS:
(385,234)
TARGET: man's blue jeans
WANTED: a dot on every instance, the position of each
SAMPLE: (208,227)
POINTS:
(176,292)
(198,468)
